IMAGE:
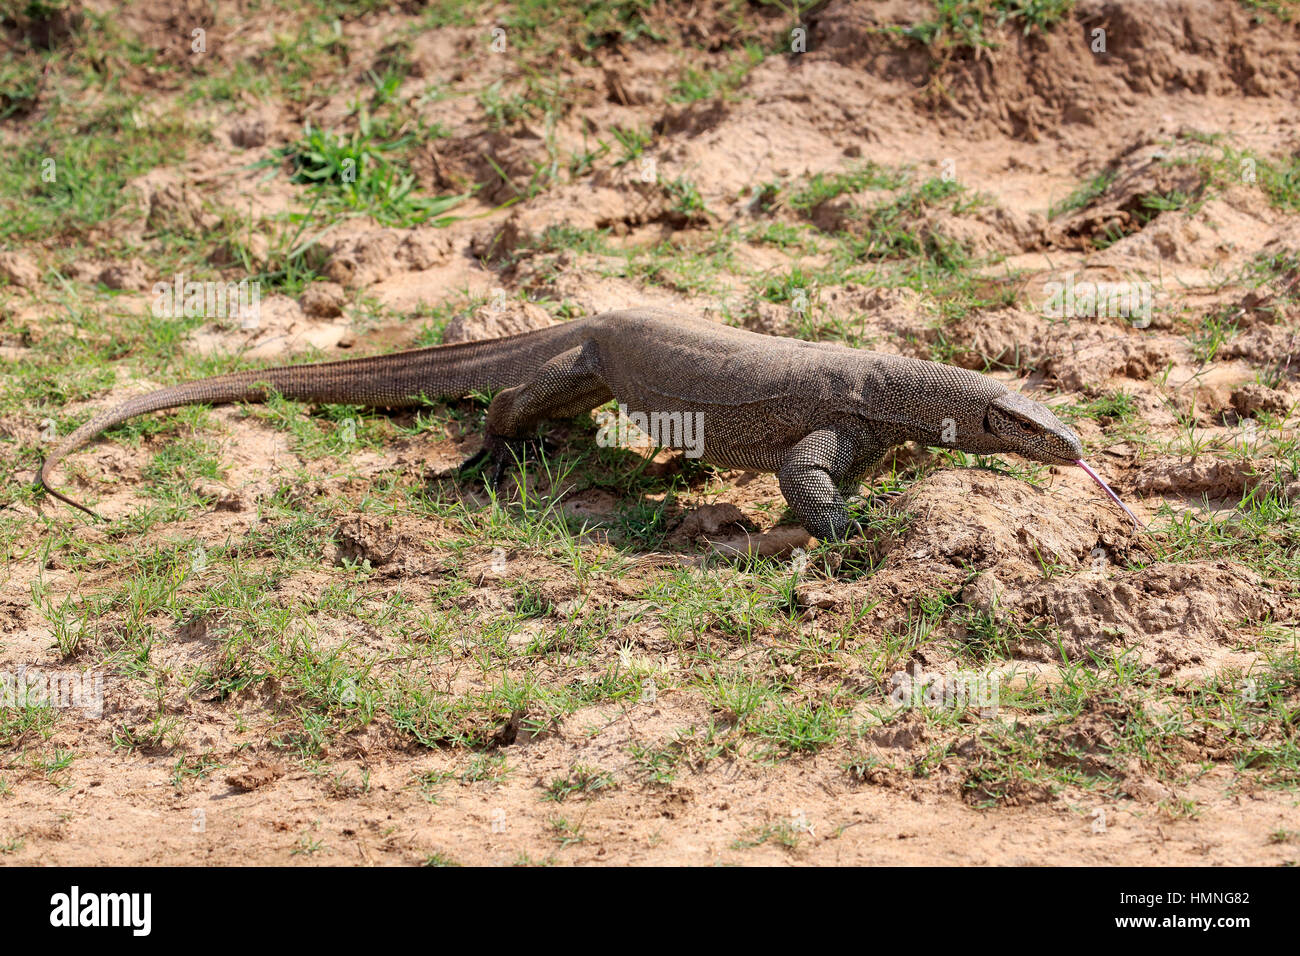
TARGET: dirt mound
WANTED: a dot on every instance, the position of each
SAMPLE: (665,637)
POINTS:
(980,520)
(363,256)
(1211,477)
(1131,192)
(1174,615)
(1027,84)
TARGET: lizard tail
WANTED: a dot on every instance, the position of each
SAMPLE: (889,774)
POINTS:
(239,387)
(396,380)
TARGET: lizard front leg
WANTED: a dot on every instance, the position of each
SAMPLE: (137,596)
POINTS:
(815,475)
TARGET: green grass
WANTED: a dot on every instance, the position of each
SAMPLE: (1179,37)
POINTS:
(1085,194)
(356,173)
(888,230)
(581,780)
(1284,10)
(695,85)
(544,29)
(824,186)
(686,199)
(1115,407)
(68,174)
(1280,181)
(972,24)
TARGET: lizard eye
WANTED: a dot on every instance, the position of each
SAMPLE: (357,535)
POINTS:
(1000,422)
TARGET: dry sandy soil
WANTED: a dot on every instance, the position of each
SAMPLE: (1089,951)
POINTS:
(316,647)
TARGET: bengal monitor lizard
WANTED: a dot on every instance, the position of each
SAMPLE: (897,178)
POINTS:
(819,415)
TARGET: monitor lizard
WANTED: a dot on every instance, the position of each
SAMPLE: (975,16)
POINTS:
(819,415)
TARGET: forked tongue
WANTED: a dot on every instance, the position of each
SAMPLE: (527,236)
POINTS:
(1106,488)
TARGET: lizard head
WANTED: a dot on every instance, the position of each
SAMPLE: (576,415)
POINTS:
(1028,429)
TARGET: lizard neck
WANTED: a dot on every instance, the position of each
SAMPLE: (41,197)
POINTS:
(927,402)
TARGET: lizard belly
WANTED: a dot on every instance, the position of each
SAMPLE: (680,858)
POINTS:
(749,398)
(754,436)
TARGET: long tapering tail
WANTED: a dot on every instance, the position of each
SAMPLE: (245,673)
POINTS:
(397,380)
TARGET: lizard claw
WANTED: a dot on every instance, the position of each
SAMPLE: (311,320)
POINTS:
(498,453)
(471,464)
(505,452)
(879,498)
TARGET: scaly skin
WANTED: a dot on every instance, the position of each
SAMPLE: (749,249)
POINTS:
(820,416)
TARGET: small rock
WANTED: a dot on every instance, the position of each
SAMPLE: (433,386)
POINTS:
(771,318)
(18,269)
(712,519)
(809,596)
(833,215)
(491,322)
(255,777)
(248,132)
(366,538)
(983,593)
(125,276)
(170,203)
(323,300)
(1143,787)
(500,243)
(779,542)
(1253,398)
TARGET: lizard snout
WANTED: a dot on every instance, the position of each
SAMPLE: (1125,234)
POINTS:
(1029,429)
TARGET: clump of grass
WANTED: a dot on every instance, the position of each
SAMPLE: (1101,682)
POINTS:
(542,28)
(1284,10)
(634,143)
(790,287)
(695,85)
(823,186)
(1278,178)
(1215,330)
(803,727)
(1118,406)
(888,230)
(1281,183)
(580,779)
(68,173)
(686,199)
(971,24)
(358,172)
(1084,194)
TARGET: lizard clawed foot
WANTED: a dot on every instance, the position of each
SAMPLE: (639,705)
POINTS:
(885,498)
(504,452)
(472,464)
(498,453)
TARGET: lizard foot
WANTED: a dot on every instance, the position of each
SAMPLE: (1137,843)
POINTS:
(504,452)
(884,498)
(472,464)
(499,453)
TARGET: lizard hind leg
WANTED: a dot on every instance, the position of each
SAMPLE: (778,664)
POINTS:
(566,385)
